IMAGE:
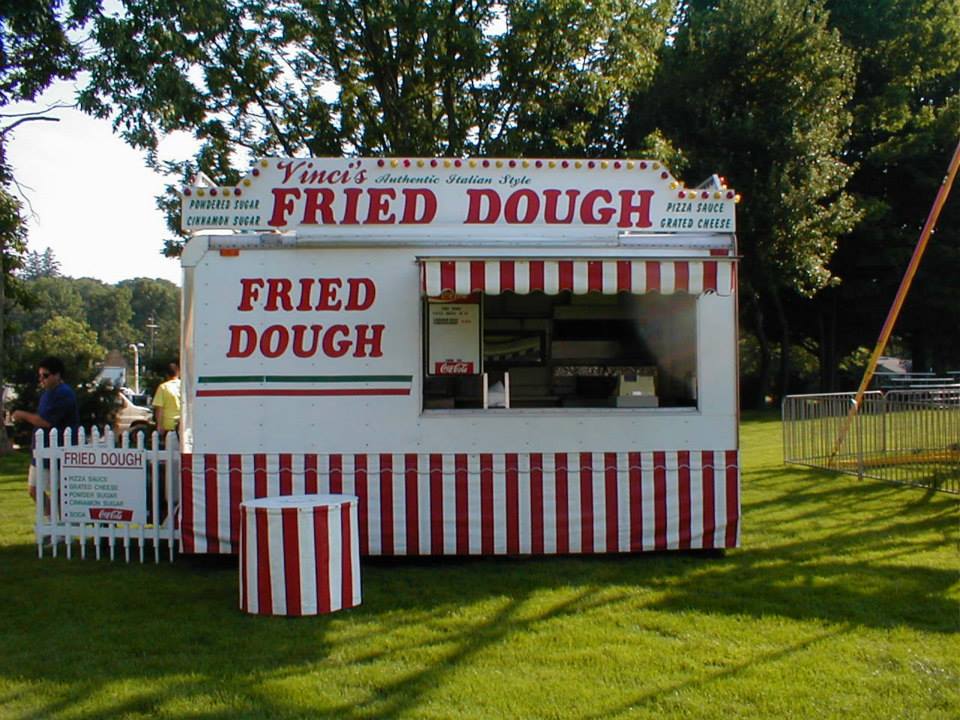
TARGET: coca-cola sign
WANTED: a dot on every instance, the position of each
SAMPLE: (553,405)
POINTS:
(453,367)
(111,514)
(453,336)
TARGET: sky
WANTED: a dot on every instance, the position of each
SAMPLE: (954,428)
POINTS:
(89,197)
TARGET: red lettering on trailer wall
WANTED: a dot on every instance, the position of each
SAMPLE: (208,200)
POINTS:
(305,296)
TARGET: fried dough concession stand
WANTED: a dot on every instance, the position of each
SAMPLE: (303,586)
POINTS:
(496,356)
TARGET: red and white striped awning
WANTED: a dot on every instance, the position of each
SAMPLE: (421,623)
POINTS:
(447,276)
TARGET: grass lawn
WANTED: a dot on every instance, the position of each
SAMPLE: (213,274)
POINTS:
(842,603)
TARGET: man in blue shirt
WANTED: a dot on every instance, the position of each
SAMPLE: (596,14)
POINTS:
(57,408)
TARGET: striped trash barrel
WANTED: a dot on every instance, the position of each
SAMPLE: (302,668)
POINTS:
(299,554)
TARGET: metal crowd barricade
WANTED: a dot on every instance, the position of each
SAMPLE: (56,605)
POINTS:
(161,475)
(910,437)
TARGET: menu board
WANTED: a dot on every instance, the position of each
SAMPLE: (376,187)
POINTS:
(103,485)
(453,336)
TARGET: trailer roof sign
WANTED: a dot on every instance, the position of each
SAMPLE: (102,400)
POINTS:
(559,198)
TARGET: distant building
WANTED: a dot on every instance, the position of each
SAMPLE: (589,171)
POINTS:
(894,364)
(113,370)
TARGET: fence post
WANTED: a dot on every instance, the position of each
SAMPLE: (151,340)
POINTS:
(858,422)
(39,489)
(173,489)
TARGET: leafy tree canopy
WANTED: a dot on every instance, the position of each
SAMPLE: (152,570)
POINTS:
(38,265)
(13,232)
(141,310)
(44,298)
(760,88)
(72,340)
(329,77)
(108,310)
(818,111)
(155,304)
(35,44)
(772,113)
(906,109)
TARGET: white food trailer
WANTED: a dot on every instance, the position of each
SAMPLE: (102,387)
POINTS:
(497,356)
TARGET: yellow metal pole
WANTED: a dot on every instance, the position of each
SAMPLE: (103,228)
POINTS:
(901,296)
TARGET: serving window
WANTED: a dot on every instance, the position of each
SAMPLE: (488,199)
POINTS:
(572,351)
(563,334)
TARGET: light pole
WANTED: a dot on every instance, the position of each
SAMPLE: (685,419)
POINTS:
(136,366)
(152,327)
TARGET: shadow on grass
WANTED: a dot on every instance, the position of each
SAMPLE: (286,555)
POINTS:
(127,640)
(711,677)
(88,626)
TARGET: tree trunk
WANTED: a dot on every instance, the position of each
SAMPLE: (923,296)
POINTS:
(5,445)
(783,384)
(827,321)
(763,370)
(766,364)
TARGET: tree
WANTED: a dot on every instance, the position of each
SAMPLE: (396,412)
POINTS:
(44,298)
(107,311)
(72,340)
(38,265)
(119,314)
(13,241)
(77,319)
(252,78)
(35,50)
(567,71)
(155,302)
(906,109)
(103,309)
(35,45)
(758,89)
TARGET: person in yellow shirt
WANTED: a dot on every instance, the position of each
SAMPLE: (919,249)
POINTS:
(166,401)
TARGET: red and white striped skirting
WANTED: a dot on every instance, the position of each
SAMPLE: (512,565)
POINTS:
(483,504)
(299,555)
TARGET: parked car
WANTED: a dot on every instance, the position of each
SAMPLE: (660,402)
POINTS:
(9,397)
(134,413)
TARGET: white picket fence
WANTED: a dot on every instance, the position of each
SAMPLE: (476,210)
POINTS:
(160,462)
